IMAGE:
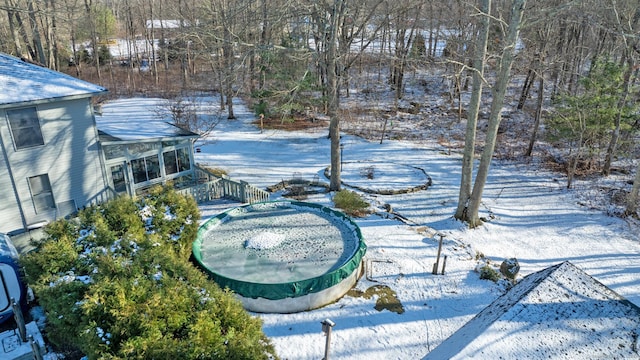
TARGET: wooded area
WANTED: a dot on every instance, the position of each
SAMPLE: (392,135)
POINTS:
(295,58)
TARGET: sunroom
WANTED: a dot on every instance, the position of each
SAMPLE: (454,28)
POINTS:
(136,160)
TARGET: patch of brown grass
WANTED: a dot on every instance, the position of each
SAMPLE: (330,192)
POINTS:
(298,122)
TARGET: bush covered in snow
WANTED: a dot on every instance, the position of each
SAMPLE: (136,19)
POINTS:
(117,283)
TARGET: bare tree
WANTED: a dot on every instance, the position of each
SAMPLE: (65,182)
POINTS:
(474,105)
(90,13)
(537,116)
(51,34)
(12,20)
(35,33)
(406,19)
(19,30)
(632,199)
(335,31)
(537,69)
(499,89)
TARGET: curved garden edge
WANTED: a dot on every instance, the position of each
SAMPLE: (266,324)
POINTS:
(425,186)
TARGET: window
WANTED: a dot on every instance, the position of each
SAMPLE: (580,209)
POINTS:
(176,161)
(184,162)
(119,178)
(153,167)
(145,169)
(25,127)
(41,193)
(170,162)
(113,151)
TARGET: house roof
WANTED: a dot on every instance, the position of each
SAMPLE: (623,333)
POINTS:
(128,131)
(559,312)
(24,82)
(126,121)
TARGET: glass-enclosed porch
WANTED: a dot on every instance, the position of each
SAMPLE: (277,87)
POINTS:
(134,166)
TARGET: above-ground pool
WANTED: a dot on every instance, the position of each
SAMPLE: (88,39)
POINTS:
(282,256)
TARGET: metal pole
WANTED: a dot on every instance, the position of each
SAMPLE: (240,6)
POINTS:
(17,315)
(35,346)
(327,345)
(327,325)
(437,264)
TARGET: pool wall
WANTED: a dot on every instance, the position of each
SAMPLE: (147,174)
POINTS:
(310,301)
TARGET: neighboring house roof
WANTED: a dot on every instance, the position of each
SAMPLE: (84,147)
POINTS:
(559,312)
(24,82)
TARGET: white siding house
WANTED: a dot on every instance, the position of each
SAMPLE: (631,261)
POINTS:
(57,156)
(50,157)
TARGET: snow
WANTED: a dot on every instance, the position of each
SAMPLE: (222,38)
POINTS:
(269,237)
(530,214)
(117,119)
(264,240)
(557,302)
(383,177)
(32,83)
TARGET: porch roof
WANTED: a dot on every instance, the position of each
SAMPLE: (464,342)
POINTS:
(130,124)
(157,131)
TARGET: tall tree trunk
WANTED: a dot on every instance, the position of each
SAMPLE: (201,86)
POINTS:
(499,90)
(630,50)
(227,50)
(35,32)
(52,35)
(21,29)
(332,93)
(165,43)
(265,36)
(69,18)
(151,40)
(622,103)
(183,53)
(14,32)
(474,106)
(536,122)
(526,88)
(632,199)
(94,36)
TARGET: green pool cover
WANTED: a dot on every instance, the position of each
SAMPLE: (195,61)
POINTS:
(279,250)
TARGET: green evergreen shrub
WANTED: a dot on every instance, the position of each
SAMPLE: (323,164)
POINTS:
(118,284)
(584,121)
(489,273)
(351,203)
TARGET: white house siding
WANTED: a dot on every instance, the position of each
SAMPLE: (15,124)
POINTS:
(70,157)
(9,213)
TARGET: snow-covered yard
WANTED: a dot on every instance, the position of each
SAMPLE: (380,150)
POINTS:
(531,216)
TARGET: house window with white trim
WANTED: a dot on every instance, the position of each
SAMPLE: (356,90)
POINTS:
(176,161)
(25,127)
(41,193)
(145,169)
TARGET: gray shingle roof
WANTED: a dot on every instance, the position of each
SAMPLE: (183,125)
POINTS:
(23,82)
(557,313)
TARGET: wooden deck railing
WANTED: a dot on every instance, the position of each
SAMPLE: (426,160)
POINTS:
(210,187)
